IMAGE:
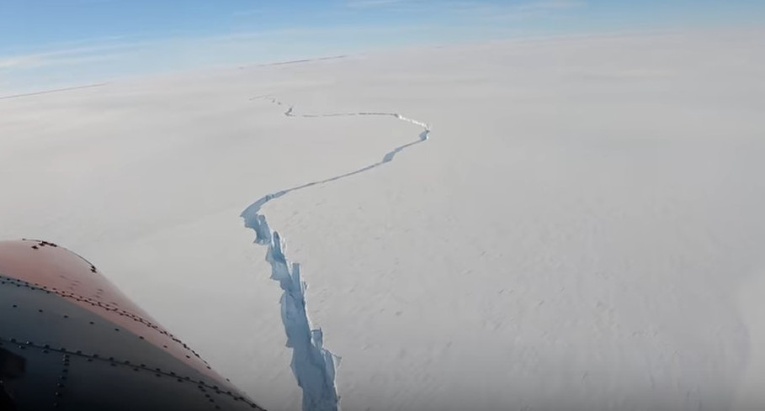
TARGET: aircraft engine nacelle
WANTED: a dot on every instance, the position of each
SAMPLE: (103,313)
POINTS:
(70,340)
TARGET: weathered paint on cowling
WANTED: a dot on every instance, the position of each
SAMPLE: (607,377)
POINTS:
(70,276)
(85,345)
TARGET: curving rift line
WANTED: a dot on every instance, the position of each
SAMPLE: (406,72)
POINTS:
(313,365)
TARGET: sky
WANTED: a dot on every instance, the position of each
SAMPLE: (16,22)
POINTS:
(62,43)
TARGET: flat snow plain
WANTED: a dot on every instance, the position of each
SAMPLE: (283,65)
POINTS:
(584,229)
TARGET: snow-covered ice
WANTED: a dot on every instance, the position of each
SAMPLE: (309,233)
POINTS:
(583,231)
(313,366)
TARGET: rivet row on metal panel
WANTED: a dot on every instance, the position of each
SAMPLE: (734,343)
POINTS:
(104,306)
(115,362)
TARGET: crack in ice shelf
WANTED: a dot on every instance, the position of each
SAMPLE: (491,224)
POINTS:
(313,365)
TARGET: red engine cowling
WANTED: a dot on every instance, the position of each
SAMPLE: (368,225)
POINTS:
(70,340)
